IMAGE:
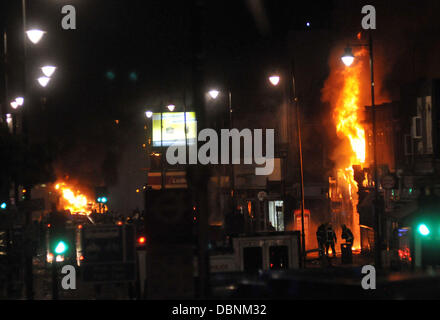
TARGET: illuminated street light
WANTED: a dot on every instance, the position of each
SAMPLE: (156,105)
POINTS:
(43,81)
(20,101)
(274,80)
(35,35)
(348,57)
(214,94)
(9,119)
(149,114)
(48,71)
(171,107)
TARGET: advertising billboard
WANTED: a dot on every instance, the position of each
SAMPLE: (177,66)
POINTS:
(169,128)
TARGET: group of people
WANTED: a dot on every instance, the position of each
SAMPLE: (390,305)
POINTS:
(327,238)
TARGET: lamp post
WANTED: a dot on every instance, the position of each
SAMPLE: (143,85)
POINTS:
(348,59)
(275,81)
(34,35)
(214,94)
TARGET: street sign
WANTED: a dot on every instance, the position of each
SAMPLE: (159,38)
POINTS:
(173,180)
(109,253)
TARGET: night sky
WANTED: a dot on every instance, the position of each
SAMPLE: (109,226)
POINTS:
(129,56)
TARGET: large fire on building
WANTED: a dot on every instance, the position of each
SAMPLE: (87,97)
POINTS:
(346,110)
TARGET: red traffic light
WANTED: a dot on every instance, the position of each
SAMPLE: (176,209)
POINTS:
(142,240)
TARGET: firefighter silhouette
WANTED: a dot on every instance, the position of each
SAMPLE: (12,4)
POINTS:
(320,236)
(347,235)
(330,236)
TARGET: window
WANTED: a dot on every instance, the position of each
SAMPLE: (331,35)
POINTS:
(276,215)
(278,257)
(408,145)
(253,259)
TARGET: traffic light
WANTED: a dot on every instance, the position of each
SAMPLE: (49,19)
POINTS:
(141,240)
(423,230)
(3,205)
(61,247)
(102,200)
(101,195)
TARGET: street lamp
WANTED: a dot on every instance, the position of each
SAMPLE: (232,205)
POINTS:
(275,80)
(214,94)
(171,107)
(35,35)
(348,59)
(48,71)
(149,114)
(43,81)
(18,102)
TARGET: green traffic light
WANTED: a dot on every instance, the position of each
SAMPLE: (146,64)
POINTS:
(424,230)
(61,247)
(3,206)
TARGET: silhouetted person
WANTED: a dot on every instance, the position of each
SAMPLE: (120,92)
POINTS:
(347,235)
(320,236)
(330,236)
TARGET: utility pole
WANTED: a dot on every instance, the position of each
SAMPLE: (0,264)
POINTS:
(200,174)
(28,269)
(377,208)
(301,169)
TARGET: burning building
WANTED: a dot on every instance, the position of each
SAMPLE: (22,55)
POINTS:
(343,92)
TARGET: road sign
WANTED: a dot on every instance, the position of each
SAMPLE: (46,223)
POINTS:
(109,253)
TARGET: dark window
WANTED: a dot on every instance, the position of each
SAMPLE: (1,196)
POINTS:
(253,259)
(279,257)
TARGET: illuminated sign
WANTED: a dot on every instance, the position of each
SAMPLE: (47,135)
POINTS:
(169,128)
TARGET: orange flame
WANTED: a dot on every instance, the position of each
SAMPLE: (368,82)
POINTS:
(343,91)
(346,113)
(75,202)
